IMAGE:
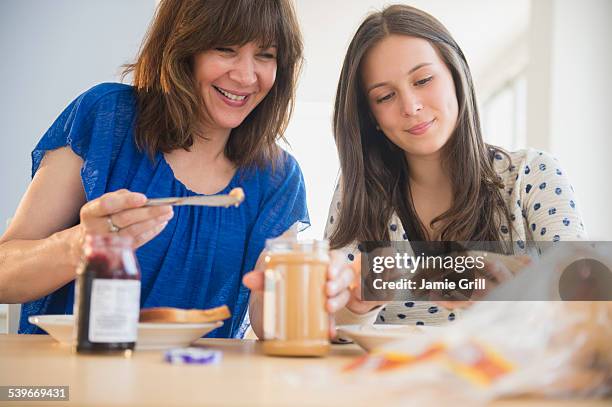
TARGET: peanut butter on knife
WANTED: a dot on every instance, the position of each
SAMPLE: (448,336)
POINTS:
(235,198)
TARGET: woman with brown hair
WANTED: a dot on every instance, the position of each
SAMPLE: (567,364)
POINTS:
(413,160)
(213,91)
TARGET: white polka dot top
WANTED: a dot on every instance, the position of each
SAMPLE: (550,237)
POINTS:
(542,208)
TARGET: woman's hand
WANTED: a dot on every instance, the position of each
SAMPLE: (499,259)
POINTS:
(122,212)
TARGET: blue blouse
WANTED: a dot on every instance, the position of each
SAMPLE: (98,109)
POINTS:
(199,259)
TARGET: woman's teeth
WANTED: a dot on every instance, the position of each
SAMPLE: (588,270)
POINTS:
(230,95)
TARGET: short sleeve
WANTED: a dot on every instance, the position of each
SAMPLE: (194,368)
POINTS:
(90,126)
(549,202)
(284,203)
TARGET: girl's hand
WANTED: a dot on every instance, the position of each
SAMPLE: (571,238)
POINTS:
(355,303)
(122,212)
(498,268)
(342,288)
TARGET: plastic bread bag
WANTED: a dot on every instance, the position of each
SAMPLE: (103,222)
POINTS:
(545,348)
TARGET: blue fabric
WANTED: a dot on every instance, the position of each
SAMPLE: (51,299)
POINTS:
(199,259)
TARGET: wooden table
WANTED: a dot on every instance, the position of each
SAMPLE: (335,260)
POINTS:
(245,377)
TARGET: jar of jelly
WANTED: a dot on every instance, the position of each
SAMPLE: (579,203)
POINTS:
(295,319)
(107,296)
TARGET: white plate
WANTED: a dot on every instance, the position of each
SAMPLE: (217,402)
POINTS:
(370,337)
(150,335)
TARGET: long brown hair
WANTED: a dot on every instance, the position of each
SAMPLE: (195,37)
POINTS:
(169,103)
(375,172)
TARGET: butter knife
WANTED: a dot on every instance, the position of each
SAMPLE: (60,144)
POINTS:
(235,197)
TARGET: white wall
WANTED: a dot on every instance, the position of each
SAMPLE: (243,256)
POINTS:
(569,99)
(52,50)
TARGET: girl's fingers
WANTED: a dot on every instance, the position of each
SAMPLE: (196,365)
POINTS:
(334,304)
(254,280)
(332,327)
(454,304)
(524,259)
(498,269)
(503,267)
(335,265)
(342,281)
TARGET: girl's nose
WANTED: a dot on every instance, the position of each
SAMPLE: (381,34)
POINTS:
(411,104)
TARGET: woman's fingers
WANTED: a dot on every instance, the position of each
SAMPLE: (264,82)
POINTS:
(113,202)
(129,217)
(95,214)
(147,229)
(254,280)
(149,234)
(122,211)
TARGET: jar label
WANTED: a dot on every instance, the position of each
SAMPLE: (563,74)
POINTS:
(269,307)
(114,310)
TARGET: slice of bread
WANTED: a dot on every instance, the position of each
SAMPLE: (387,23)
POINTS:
(184,316)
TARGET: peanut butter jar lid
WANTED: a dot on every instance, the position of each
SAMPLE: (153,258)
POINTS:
(291,245)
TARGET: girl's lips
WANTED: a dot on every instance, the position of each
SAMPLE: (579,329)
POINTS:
(420,128)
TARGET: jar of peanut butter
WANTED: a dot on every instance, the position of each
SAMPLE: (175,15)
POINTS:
(295,320)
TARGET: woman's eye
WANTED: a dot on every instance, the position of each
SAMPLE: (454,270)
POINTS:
(423,81)
(224,50)
(267,55)
(384,98)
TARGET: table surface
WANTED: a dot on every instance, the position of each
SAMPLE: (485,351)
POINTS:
(244,377)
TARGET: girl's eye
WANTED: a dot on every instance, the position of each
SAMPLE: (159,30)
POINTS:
(224,50)
(385,98)
(423,81)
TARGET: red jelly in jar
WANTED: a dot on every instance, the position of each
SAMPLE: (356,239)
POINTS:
(107,296)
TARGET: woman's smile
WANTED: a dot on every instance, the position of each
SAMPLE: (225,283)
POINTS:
(232,98)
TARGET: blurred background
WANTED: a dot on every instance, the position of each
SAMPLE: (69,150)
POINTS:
(541,69)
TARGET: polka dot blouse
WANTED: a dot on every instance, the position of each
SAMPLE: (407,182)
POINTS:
(542,208)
